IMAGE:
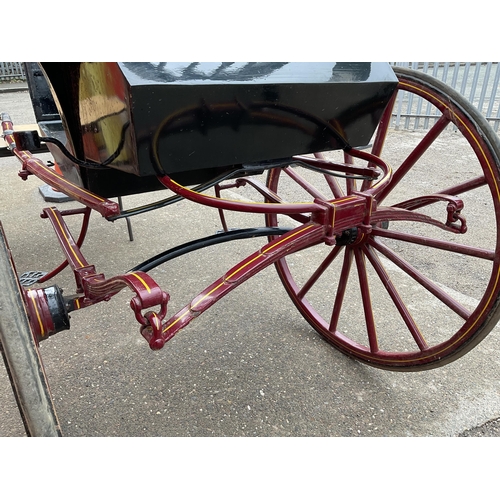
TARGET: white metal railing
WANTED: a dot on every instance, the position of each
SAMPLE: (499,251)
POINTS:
(479,82)
(476,81)
(10,70)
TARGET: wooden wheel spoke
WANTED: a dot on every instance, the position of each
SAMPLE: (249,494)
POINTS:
(396,298)
(304,184)
(341,289)
(331,181)
(434,230)
(421,279)
(319,271)
(414,156)
(383,126)
(366,299)
(480,253)
(351,184)
(334,186)
(464,187)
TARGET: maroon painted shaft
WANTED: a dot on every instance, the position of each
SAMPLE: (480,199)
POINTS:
(95,287)
(33,165)
(289,243)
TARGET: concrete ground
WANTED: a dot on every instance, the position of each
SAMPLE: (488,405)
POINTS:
(249,366)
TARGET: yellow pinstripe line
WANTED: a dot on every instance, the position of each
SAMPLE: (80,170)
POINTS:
(250,202)
(142,281)
(385,179)
(76,189)
(253,260)
(231,275)
(42,330)
(66,238)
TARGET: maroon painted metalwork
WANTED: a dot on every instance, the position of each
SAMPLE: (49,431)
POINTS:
(327,219)
(34,166)
(93,287)
(353,224)
(370,231)
(291,242)
(83,232)
(239,206)
(418,221)
(47,312)
(281,207)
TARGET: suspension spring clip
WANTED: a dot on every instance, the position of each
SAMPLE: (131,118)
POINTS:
(137,306)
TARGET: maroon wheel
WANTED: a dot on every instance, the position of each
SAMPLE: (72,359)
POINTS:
(21,355)
(414,293)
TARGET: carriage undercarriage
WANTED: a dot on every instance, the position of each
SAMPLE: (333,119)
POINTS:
(341,224)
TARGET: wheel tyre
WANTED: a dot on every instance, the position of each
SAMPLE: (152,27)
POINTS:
(21,354)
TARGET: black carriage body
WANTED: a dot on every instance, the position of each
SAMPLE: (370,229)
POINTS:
(193,121)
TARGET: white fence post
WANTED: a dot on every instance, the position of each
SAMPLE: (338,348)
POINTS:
(476,81)
(10,70)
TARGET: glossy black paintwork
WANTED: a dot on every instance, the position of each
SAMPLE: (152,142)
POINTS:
(192,120)
(206,73)
(41,97)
